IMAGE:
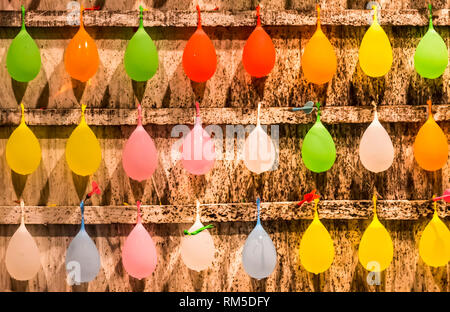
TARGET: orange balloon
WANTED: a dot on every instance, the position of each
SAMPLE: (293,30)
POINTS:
(431,146)
(319,60)
(81,57)
(259,53)
(199,55)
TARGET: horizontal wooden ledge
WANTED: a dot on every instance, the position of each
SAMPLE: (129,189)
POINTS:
(243,212)
(222,116)
(175,18)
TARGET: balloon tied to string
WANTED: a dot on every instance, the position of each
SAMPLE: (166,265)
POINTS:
(197,109)
(23,17)
(316,202)
(258,205)
(318,110)
(429,108)
(309,197)
(431,15)
(23,113)
(374,8)
(209,226)
(22,212)
(374,200)
(318,15)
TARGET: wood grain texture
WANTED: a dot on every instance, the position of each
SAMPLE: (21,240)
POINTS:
(230,96)
(223,116)
(176,18)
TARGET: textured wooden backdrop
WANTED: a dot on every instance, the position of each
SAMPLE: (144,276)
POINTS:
(229,182)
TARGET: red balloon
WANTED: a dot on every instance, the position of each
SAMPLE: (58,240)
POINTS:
(259,53)
(199,56)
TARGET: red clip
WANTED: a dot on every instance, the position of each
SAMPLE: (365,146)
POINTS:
(309,197)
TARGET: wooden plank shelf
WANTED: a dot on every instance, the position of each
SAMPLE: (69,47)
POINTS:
(222,116)
(243,212)
(174,18)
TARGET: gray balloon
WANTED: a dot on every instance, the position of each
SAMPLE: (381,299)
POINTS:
(259,256)
(82,259)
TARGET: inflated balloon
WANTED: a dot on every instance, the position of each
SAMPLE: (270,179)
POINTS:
(139,157)
(197,251)
(83,153)
(430,145)
(434,244)
(259,53)
(375,52)
(316,246)
(23,59)
(22,254)
(259,256)
(319,60)
(259,150)
(81,57)
(431,56)
(139,252)
(82,257)
(23,152)
(375,149)
(375,249)
(199,55)
(318,150)
(141,56)
(198,152)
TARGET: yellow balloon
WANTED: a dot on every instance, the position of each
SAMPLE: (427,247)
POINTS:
(316,246)
(23,152)
(375,249)
(434,244)
(83,153)
(375,52)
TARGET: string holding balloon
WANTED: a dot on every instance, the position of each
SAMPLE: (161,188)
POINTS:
(22,258)
(141,56)
(318,149)
(259,150)
(198,152)
(434,243)
(23,59)
(430,145)
(376,249)
(259,256)
(316,246)
(82,256)
(199,55)
(197,251)
(81,58)
(431,55)
(258,56)
(23,151)
(139,255)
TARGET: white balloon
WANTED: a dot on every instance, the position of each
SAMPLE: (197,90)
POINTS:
(197,251)
(375,149)
(22,255)
(82,258)
(259,150)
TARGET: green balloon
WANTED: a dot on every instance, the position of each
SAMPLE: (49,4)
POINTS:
(23,59)
(141,56)
(431,56)
(318,150)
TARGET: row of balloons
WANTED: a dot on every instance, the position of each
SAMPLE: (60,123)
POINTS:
(319,61)
(140,157)
(259,256)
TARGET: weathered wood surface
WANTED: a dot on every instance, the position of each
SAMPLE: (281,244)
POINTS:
(176,18)
(223,116)
(401,92)
(333,209)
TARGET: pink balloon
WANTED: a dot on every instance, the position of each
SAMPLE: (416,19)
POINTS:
(139,157)
(139,252)
(198,151)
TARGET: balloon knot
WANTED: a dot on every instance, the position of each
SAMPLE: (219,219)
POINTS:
(258,15)
(199,22)
(138,204)
(197,109)
(429,107)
